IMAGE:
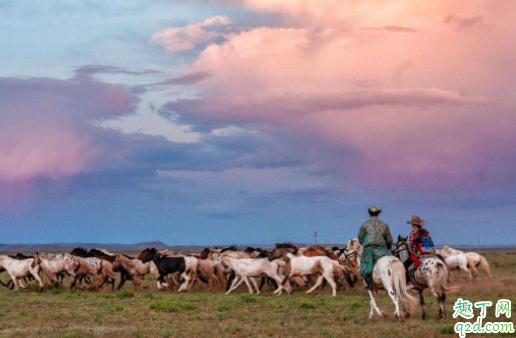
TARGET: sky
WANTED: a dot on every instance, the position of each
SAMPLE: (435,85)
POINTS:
(256,121)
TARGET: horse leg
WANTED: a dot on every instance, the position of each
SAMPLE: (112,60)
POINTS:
(263,281)
(442,310)
(237,281)
(392,294)
(319,281)
(329,277)
(36,276)
(374,305)
(230,280)
(123,279)
(423,305)
(255,284)
(15,282)
(276,277)
(246,280)
(184,284)
(20,283)
(439,299)
(73,282)
(136,281)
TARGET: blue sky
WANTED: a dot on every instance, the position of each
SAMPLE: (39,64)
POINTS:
(246,122)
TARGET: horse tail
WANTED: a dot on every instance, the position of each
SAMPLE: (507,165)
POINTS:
(398,280)
(471,265)
(338,273)
(441,281)
(485,266)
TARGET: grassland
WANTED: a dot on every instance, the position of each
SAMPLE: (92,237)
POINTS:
(210,313)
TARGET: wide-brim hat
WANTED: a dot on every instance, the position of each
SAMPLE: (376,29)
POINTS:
(416,220)
(375,210)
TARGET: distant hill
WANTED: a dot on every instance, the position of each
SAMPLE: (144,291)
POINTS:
(137,247)
(154,244)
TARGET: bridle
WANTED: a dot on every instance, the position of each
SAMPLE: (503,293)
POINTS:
(399,248)
(352,256)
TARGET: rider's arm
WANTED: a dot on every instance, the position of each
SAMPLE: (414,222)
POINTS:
(388,237)
(361,234)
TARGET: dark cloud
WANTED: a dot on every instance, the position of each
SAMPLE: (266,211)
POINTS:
(90,70)
(206,114)
(185,80)
(461,22)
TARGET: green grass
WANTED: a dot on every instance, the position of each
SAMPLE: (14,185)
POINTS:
(210,313)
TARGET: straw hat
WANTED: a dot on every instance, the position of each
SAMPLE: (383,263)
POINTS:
(417,221)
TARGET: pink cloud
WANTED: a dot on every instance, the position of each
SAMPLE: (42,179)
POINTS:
(327,80)
(45,125)
(186,38)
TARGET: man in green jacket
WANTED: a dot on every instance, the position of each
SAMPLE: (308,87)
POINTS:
(376,239)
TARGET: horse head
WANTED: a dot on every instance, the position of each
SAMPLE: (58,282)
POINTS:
(150,255)
(81,252)
(142,254)
(204,253)
(36,261)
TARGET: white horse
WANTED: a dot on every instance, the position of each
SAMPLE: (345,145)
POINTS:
(323,266)
(20,268)
(467,262)
(457,261)
(432,273)
(353,251)
(248,269)
(389,273)
(476,260)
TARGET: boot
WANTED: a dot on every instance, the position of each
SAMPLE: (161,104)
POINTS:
(369,283)
(407,264)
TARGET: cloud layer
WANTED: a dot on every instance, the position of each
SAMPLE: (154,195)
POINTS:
(390,108)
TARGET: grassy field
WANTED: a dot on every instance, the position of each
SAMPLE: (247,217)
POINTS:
(210,313)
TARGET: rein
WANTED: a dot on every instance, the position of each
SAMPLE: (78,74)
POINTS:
(351,255)
(400,248)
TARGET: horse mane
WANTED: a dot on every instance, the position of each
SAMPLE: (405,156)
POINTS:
(287,246)
(104,251)
(230,248)
(234,254)
(249,249)
(168,253)
(261,253)
(317,250)
(80,250)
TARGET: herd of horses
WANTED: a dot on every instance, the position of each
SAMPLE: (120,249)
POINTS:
(285,268)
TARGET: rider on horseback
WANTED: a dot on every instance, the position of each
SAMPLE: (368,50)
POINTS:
(420,242)
(375,237)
